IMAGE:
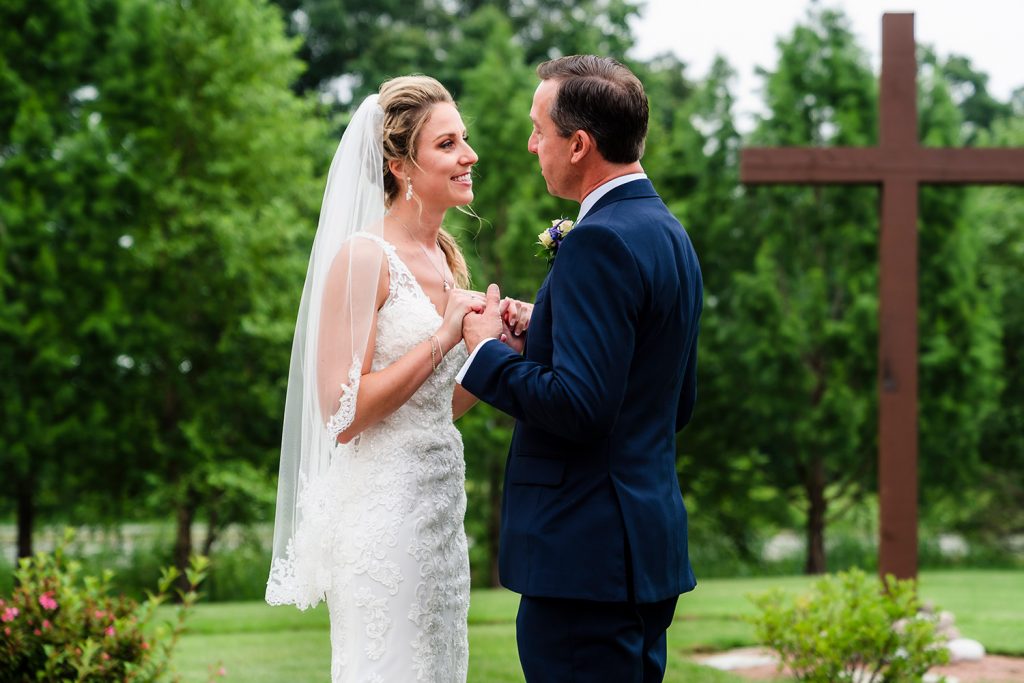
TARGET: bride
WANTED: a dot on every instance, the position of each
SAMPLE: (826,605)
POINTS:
(371,493)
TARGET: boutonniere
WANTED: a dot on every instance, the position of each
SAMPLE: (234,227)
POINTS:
(551,239)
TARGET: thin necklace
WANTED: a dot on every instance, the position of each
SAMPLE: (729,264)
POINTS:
(444,280)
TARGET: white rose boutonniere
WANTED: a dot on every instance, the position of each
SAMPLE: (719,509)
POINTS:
(551,238)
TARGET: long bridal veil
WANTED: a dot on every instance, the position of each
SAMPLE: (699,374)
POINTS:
(331,337)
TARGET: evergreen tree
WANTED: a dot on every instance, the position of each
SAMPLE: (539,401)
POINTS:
(994,509)
(959,329)
(801,318)
(693,154)
(802,314)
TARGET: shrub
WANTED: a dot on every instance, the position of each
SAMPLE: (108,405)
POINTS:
(60,626)
(848,629)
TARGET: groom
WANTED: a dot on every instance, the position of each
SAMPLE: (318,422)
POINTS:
(593,527)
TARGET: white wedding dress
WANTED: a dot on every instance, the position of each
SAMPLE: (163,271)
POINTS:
(399,592)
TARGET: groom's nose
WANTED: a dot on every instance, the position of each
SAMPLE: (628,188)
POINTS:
(531,144)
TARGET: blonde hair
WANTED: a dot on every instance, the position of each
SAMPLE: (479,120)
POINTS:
(407,102)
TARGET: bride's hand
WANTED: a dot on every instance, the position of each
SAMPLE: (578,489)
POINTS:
(515,318)
(460,302)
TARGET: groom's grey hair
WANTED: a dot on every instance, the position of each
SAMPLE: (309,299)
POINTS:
(602,97)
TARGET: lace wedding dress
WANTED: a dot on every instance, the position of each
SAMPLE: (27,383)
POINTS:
(400,574)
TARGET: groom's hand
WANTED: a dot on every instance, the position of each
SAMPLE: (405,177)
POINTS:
(515,318)
(486,325)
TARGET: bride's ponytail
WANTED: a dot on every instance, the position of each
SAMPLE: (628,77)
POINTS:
(456,261)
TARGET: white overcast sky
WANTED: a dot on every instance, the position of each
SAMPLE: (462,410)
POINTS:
(989,32)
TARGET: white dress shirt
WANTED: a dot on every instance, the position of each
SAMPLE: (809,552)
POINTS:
(585,206)
(601,190)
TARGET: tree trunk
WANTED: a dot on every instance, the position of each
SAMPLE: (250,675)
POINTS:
(26,518)
(494,518)
(817,507)
(212,530)
(186,514)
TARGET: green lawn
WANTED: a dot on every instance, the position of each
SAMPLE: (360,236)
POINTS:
(260,644)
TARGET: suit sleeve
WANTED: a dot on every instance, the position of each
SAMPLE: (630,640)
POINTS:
(595,292)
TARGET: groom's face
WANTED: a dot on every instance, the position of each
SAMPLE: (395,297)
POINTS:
(552,149)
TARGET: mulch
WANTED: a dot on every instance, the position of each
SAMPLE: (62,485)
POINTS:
(991,669)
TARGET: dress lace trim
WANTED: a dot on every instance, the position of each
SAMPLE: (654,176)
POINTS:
(346,414)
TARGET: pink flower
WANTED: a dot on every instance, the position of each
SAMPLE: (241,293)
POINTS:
(9,614)
(222,671)
(99,614)
(145,645)
(46,624)
(37,632)
(46,601)
(110,631)
(7,630)
(106,657)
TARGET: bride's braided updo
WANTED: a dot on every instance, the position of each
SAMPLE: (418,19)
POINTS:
(407,102)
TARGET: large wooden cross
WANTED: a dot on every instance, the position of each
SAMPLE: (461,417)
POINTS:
(898,165)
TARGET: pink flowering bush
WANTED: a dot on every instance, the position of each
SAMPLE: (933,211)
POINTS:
(60,626)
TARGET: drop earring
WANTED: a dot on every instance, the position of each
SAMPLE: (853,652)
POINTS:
(408,191)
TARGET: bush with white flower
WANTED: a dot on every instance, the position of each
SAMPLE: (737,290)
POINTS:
(851,627)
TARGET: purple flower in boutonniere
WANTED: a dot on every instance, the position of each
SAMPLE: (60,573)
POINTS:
(551,238)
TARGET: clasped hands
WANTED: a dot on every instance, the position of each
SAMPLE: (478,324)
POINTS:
(504,319)
(475,316)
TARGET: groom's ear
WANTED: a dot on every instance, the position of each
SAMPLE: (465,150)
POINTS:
(581,143)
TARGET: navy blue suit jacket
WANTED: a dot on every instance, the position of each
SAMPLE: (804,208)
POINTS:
(607,379)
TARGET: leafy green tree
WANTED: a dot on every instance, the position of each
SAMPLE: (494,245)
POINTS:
(62,169)
(351,39)
(352,46)
(161,186)
(968,88)
(229,176)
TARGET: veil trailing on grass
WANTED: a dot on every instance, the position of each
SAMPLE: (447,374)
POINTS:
(332,333)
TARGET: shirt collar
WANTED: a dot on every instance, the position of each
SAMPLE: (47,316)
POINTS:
(601,190)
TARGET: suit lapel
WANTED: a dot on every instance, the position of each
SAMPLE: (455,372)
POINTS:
(636,189)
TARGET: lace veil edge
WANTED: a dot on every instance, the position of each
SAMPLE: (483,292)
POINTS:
(332,332)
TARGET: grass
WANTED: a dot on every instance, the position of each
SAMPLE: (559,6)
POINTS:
(260,644)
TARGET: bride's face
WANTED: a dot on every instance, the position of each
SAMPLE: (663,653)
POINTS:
(441,175)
